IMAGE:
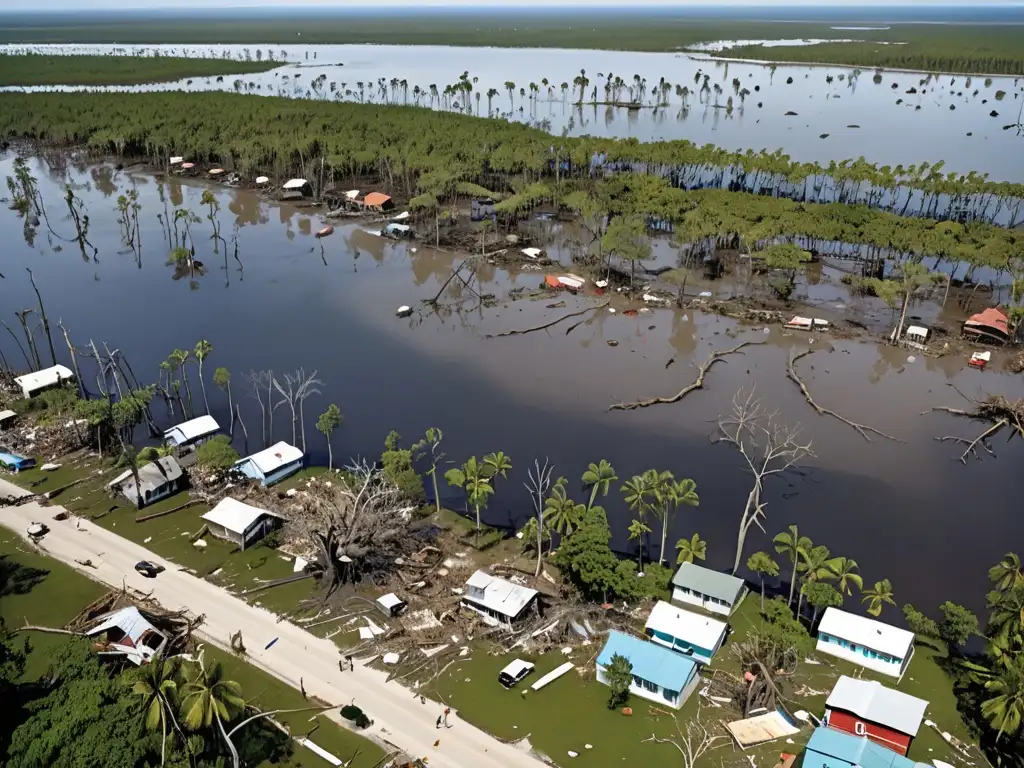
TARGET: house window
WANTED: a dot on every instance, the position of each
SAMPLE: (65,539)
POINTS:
(684,590)
(859,728)
(637,681)
(648,685)
(671,696)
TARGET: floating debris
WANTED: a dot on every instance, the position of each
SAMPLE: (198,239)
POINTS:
(404,311)
(823,136)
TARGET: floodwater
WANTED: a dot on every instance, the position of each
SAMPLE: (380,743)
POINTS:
(946,118)
(905,511)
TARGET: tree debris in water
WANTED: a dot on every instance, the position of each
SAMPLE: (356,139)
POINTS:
(547,325)
(996,410)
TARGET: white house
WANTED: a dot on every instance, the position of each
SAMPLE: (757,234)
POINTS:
(241,523)
(127,633)
(273,464)
(500,602)
(192,432)
(33,383)
(659,675)
(870,643)
(707,589)
(684,631)
(157,480)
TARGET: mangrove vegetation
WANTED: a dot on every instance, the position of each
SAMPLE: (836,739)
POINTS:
(37,69)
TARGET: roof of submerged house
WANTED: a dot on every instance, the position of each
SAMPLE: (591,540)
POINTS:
(879,704)
(500,595)
(235,516)
(992,318)
(47,377)
(651,662)
(876,635)
(376,198)
(194,428)
(154,475)
(708,582)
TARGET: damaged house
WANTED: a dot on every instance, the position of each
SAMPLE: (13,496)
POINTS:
(500,602)
(129,634)
(157,480)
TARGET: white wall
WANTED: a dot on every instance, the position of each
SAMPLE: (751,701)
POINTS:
(693,599)
(654,696)
(893,670)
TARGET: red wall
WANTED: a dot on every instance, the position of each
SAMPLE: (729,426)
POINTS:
(847,722)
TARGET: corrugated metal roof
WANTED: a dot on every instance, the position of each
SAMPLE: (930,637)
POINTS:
(153,476)
(691,627)
(273,458)
(651,662)
(708,582)
(879,704)
(505,597)
(861,630)
(192,429)
(234,515)
(47,377)
(376,198)
(857,750)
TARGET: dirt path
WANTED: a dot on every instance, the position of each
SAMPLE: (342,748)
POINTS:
(399,717)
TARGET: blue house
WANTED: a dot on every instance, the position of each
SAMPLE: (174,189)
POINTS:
(16,463)
(829,748)
(273,464)
(659,675)
(686,632)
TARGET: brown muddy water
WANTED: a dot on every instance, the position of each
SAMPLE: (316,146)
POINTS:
(909,512)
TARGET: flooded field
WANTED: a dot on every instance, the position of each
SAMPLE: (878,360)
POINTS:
(813,113)
(902,510)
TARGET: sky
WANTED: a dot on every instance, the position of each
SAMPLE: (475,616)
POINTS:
(42,5)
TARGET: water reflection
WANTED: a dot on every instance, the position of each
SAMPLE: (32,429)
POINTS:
(540,394)
(819,113)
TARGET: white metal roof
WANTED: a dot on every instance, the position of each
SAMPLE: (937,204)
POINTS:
(47,377)
(5,415)
(872,634)
(499,595)
(516,667)
(191,430)
(390,600)
(295,183)
(262,179)
(879,704)
(273,458)
(533,253)
(694,628)
(234,515)
(916,330)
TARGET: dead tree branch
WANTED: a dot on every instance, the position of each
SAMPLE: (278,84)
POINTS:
(697,383)
(545,326)
(862,429)
(692,742)
(994,409)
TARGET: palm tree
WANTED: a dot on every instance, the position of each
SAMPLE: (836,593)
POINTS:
(203,349)
(638,495)
(844,570)
(877,596)
(681,492)
(599,478)
(329,421)
(1005,710)
(795,547)
(473,478)
(222,380)
(177,359)
(530,537)
(817,566)
(1007,574)
(763,565)
(693,548)
(130,458)
(562,514)
(211,699)
(637,529)
(497,464)
(157,684)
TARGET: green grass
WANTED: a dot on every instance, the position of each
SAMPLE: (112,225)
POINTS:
(49,593)
(42,591)
(36,69)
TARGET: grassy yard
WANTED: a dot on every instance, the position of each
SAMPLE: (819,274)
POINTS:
(572,711)
(43,591)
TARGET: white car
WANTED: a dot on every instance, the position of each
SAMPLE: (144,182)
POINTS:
(37,530)
(514,672)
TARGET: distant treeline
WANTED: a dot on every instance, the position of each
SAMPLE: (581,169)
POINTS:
(975,55)
(399,145)
(36,69)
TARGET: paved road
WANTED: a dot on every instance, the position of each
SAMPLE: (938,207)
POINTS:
(399,717)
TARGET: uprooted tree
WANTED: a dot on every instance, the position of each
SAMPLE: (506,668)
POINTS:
(768,447)
(358,523)
(771,662)
(996,411)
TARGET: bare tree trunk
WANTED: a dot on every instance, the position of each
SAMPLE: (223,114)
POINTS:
(245,432)
(18,342)
(74,359)
(231,409)
(202,385)
(42,314)
(29,339)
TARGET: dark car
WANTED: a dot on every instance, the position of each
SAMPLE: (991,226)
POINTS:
(148,569)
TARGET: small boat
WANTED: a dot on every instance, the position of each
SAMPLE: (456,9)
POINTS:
(328,230)
(187,166)
(571,282)
(980,359)
(797,323)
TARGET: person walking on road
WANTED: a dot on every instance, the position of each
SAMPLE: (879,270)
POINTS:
(438,723)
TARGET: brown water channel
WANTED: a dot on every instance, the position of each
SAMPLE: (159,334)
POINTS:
(905,511)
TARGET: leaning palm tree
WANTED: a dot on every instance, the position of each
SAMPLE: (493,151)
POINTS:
(693,548)
(877,596)
(1005,710)
(211,699)
(157,684)
(202,351)
(599,478)
(844,570)
(1007,574)
(795,547)
(679,492)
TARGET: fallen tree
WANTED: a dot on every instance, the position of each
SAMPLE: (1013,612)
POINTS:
(996,410)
